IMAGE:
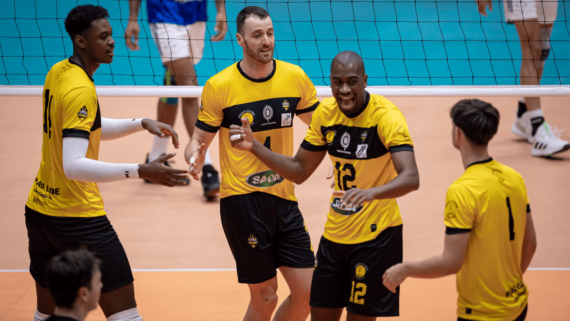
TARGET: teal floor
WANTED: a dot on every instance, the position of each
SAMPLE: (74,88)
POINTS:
(403,42)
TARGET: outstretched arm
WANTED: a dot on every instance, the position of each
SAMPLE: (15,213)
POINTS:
(117,128)
(296,169)
(449,262)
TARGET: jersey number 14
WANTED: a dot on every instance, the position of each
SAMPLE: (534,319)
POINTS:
(47,113)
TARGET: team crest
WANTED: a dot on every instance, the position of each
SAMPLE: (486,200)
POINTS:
(330,136)
(285,104)
(252,240)
(450,209)
(345,140)
(360,270)
(361,150)
(267,112)
(82,114)
(363,136)
(250,115)
(286,120)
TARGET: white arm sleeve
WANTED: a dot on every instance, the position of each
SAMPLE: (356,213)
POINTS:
(79,168)
(117,128)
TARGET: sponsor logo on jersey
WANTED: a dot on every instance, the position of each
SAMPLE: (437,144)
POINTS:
(499,175)
(361,150)
(268,114)
(250,115)
(286,120)
(345,140)
(451,209)
(264,179)
(252,240)
(285,104)
(82,114)
(337,206)
(360,270)
(330,136)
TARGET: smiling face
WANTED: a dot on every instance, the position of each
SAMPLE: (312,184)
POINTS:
(97,41)
(348,82)
(258,39)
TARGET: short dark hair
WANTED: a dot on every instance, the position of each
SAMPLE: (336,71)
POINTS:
(248,11)
(80,18)
(479,120)
(67,273)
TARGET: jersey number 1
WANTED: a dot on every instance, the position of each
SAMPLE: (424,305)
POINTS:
(511,221)
(47,113)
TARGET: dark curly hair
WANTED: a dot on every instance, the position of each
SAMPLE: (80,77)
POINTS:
(80,18)
(479,120)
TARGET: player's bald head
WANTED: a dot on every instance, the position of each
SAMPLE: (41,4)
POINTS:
(348,60)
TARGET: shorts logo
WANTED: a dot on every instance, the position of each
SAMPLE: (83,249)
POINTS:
(316,263)
(250,115)
(285,104)
(82,114)
(337,206)
(361,150)
(264,179)
(252,240)
(330,136)
(345,140)
(286,120)
(360,270)
(451,209)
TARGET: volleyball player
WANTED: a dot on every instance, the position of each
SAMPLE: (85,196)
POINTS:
(490,238)
(534,20)
(260,216)
(74,282)
(367,139)
(178,28)
(64,209)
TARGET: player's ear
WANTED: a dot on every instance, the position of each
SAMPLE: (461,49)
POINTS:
(239,39)
(79,41)
(365,80)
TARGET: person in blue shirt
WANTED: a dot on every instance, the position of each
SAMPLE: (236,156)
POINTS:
(179,28)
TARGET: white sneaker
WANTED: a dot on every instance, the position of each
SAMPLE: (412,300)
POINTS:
(547,142)
(523,125)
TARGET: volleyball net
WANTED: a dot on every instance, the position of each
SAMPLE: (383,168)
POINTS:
(410,47)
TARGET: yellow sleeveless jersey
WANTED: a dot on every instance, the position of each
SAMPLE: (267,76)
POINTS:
(270,105)
(490,201)
(70,109)
(360,148)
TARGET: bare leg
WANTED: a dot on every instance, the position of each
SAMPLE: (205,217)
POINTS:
(44,301)
(356,317)
(296,306)
(185,75)
(263,301)
(531,66)
(321,314)
(118,300)
(166,113)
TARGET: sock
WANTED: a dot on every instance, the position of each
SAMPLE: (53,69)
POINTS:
(208,160)
(522,107)
(127,315)
(536,119)
(38,316)
(159,147)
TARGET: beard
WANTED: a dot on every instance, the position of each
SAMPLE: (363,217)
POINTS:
(256,55)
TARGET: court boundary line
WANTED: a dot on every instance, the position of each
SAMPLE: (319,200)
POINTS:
(221,270)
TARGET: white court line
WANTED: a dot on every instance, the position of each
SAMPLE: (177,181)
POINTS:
(217,270)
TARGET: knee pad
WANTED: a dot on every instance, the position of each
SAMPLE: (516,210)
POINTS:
(127,315)
(545,53)
(545,35)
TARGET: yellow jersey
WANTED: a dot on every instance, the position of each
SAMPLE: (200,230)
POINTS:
(270,105)
(70,109)
(360,148)
(490,201)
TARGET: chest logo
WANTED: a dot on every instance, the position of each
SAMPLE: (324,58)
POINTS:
(363,136)
(345,140)
(82,114)
(250,115)
(337,206)
(361,150)
(285,104)
(267,112)
(286,120)
(330,136)
(264,179)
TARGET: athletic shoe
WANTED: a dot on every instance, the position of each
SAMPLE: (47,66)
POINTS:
(167,164)
(546,142)
(210,181)
(524,125)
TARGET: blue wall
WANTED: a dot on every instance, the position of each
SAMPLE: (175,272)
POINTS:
(403,42)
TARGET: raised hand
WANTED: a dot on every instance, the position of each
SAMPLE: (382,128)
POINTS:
(241,136)
(160,129)
(355,197)
(159,173)
(197,160)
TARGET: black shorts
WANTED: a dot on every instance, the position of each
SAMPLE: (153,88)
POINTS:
(521,317)
(265,232)
(350,275)
(50,235)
